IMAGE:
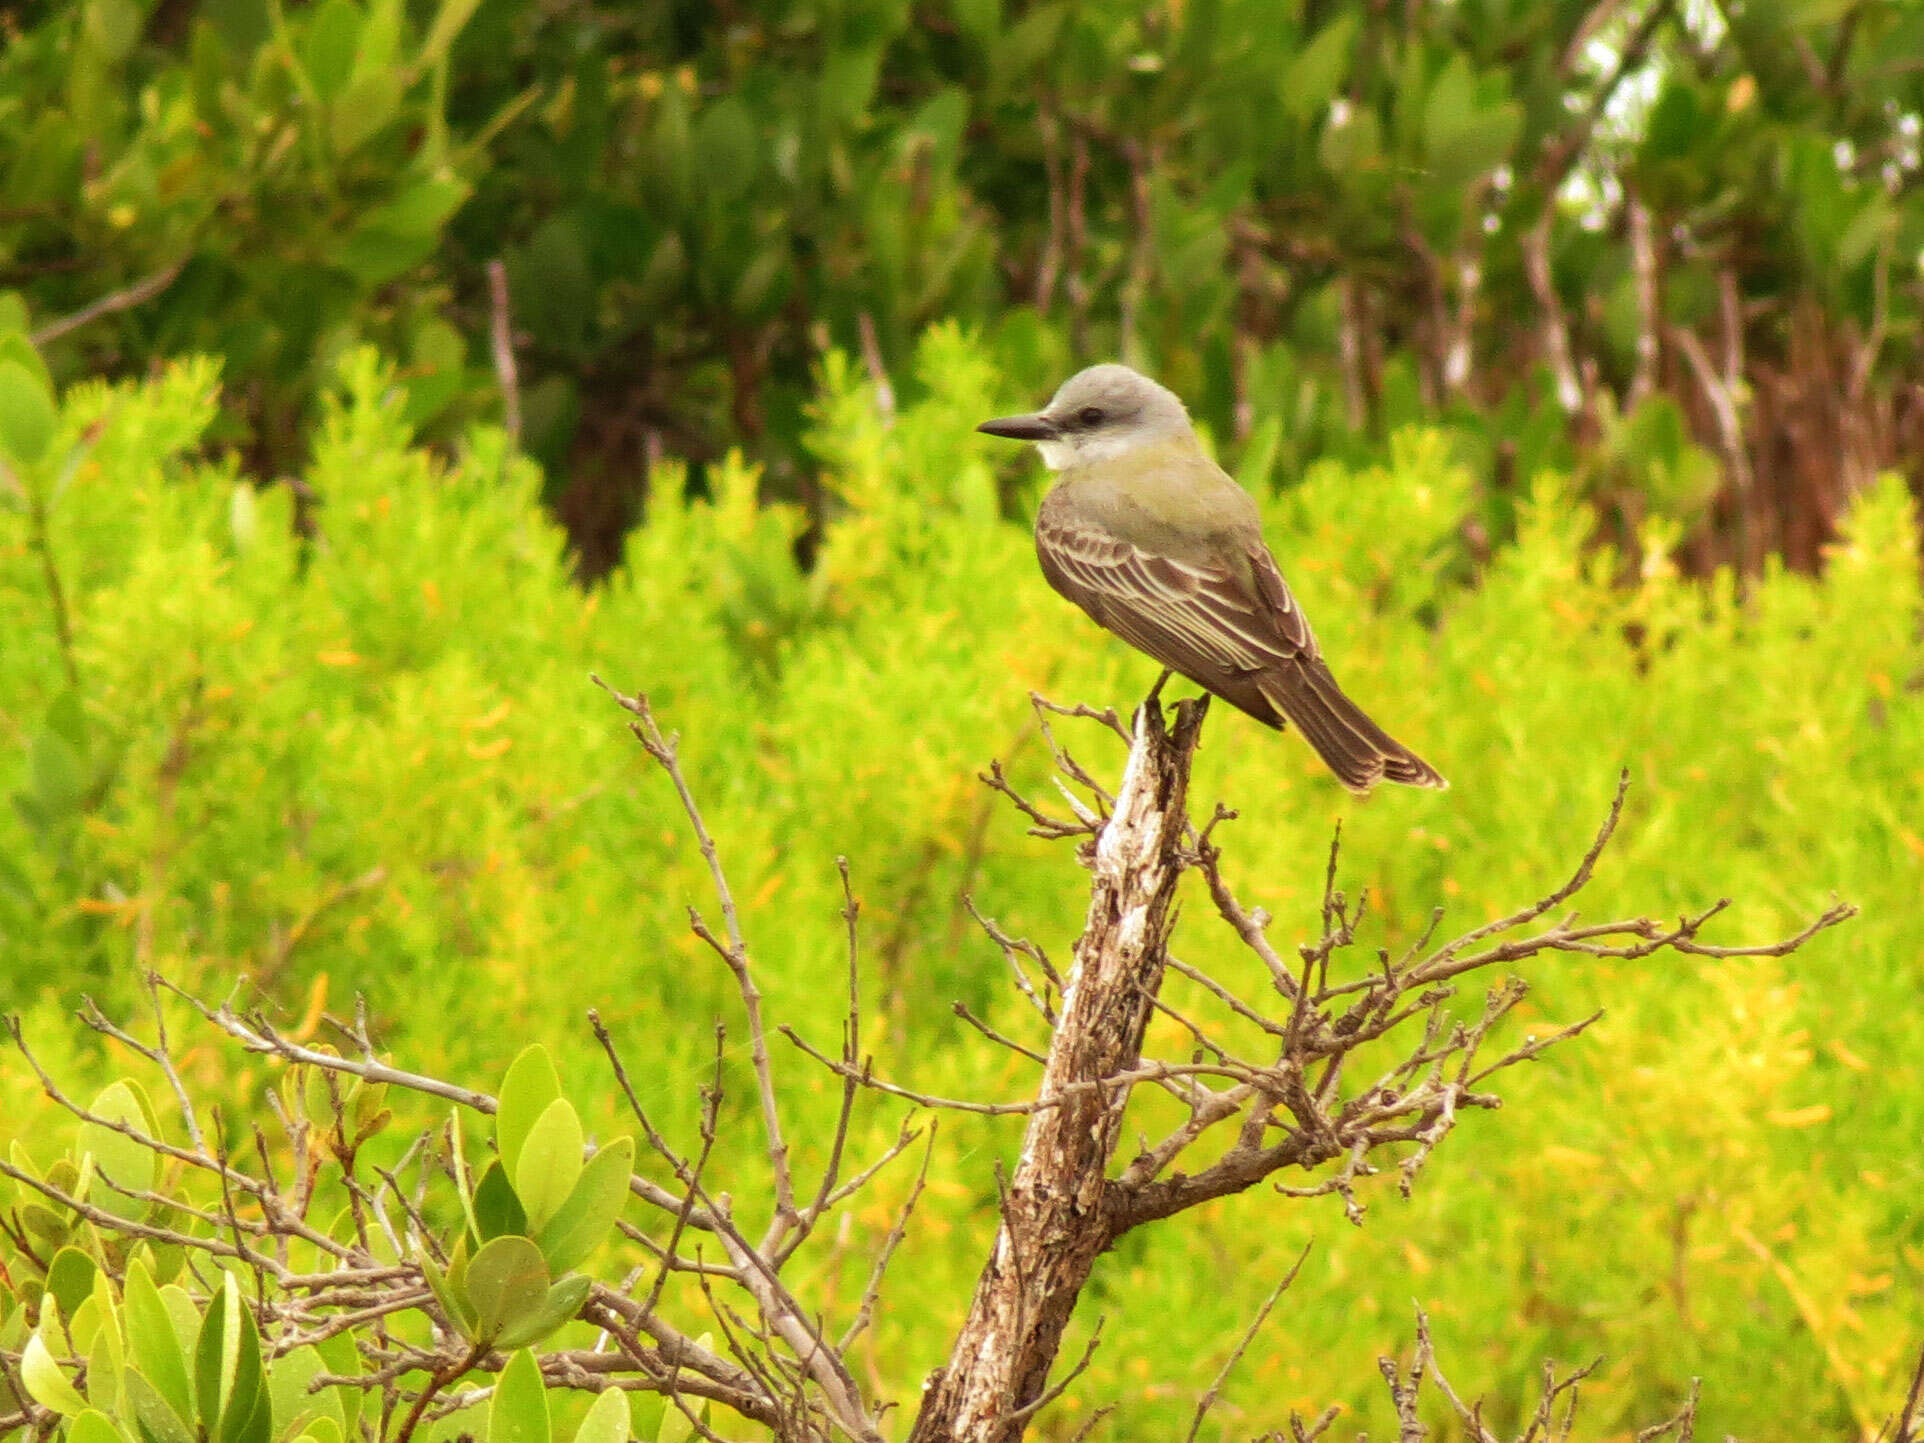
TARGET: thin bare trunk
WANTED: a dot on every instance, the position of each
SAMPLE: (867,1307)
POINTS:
(501,342)
(1556,329)
(1561,155)
(1726,407)
(1459,359)
(1135,288)
(137,294)
(1050,266)
(1644,264)
(1350,345)
(1433,327)
(878,371)
(1076,286)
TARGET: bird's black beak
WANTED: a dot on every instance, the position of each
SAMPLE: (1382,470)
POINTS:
(1035,427)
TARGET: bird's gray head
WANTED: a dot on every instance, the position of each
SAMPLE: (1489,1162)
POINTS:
(1102,412)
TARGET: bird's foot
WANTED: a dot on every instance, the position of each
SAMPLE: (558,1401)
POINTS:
(1155,692)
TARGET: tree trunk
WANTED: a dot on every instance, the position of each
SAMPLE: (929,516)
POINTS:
(1055,1218)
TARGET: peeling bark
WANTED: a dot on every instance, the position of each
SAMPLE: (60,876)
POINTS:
(1055,1214)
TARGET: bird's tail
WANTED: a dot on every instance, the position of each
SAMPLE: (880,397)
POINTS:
(1359,751)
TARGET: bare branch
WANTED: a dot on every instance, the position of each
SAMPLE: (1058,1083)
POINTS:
(1562,154)
(1683,1425)
(1054,1224)
(1354,1079)
(872,1290)
(1045,826)
(256,1034)
(1208,1399)
(735,953)
(878,373)
(1911,1418)
(961,1009)
(125,299)
(1534,243)
(1013,949)
(1577,880)
(157,1054)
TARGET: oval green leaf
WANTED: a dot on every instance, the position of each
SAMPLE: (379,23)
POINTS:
(118,1158)
(106,1356)
(255,1425)
(185,1315)
(550,1162)
(153,1348)
(530,1086)
(94,1426)
(155,1416)
(582,1222)
(217,1355)
(519,1411)
(293,1405)
(248,1414)
(675,1427)
(342,1357)
(563,1302)
(608,1421)
(455,1309)
(70,1278)
(27,415)
(48,1386)
(507,1283)
(320,1089)
(497,1211)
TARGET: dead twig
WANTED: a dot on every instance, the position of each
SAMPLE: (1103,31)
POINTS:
(501,343)
(124,299)
(1208,1399)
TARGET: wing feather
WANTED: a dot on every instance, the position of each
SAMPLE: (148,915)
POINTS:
(1196,618)
(1241,636)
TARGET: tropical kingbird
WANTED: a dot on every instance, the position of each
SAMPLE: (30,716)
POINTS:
(1160,546)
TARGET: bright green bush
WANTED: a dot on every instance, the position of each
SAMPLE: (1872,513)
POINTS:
(110,1270)
(368,760)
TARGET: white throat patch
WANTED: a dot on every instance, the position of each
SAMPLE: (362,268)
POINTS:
(1084,450)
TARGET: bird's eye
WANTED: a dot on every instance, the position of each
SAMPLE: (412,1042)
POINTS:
(1090,415)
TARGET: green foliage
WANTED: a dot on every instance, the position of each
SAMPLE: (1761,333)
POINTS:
(290,162)
(160,1368)
(686,205)
(362,756)
(163,1366)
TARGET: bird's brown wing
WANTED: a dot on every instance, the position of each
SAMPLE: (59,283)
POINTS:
(1196,618)
(1249,644)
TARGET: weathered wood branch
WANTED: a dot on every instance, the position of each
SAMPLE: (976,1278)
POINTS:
(1054,1216)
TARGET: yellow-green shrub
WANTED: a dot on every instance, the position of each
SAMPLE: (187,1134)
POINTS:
(370,760)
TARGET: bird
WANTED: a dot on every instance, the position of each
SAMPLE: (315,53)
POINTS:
(1159,545)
